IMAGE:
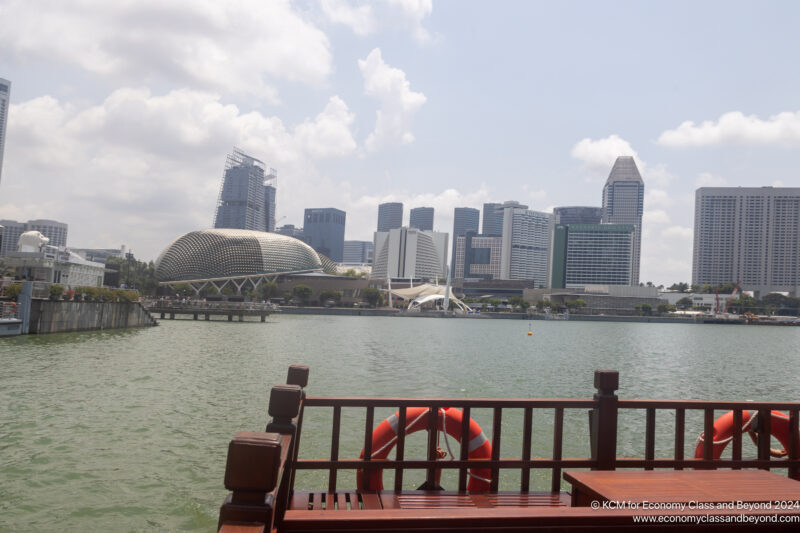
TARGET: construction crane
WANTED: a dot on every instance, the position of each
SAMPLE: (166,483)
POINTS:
(733,296)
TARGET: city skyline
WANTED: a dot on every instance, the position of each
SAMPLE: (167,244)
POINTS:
(436,104)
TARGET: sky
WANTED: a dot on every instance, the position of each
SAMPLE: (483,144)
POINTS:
(122,113)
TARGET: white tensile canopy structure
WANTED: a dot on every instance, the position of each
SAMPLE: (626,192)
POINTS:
(426,293)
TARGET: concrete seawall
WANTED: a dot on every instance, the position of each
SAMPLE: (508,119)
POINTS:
(59,316)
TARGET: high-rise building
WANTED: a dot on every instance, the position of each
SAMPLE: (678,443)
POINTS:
(55,231)
(11,232)
(749,235)
(357,252)
(623,203)
(390,216)
(325,229)
(592,254)
(492,221)
(465,219)
(242,203)
(5,96)
(477,256)
(578,215)
(421,218)
(526,244)
(270,190)
(409,253)
(290,231)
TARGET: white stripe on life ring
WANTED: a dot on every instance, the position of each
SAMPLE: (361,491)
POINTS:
(394,422)
(476,442)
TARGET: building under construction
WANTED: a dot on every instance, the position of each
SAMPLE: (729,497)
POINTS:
(247,194)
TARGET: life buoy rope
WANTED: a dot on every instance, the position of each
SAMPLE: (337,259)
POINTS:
(385,436)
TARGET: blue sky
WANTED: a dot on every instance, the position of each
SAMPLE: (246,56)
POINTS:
(122,113)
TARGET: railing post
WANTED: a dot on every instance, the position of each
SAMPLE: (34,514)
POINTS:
(604,420)
(251,474)
(284,406)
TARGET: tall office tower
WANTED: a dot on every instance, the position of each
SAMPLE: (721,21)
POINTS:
(390,216)
(477,256)
(465,219)
(492,224)
(749,235)
(11,232)
(270,189)
(592,254)
(526,244)
(357,252)
(5,95)
(623,202)
(53,230)
(241,196)
(325,229)
(578,215)
(421,218)
(409,253)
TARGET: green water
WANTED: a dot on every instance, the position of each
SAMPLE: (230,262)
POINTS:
(128,430)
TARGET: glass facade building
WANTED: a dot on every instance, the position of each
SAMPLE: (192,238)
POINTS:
(421,218)
(247,195)
(578,215)
(592,254)
(390,216)
(465,219)
(623,203)
(325,230)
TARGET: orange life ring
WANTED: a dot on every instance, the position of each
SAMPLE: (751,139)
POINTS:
(723,432)
(449,420)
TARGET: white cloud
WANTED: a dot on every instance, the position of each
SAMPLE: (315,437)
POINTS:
(657,198)
(736,128)
(398,102)
(240,47)
(707,179)
(360,19)
(154,161)
(329,133)
(412,13)
(655,216)
(600,155)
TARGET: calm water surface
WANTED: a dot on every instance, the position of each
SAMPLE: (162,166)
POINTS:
(128,430)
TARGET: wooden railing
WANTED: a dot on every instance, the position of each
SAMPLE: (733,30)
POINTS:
(288,404)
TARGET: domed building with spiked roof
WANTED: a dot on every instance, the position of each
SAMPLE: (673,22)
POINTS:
(218,257)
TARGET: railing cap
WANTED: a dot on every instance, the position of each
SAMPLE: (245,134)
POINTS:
(284,401)
(298,375)
(254,461)
(606,380)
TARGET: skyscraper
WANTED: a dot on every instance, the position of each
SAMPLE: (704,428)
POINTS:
(749,235)
(357,252)
(409,253)
(421,218)
(270,185)
(578,215)
(325,229)
(477,256)
(5,95)
(623,203)
(464,219)
(526,244)
(492,221)
(592,254)
(242,202)
(390,216)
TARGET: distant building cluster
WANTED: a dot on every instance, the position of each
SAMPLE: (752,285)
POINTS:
(12,230)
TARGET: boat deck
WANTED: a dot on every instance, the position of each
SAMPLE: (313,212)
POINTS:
(605,491)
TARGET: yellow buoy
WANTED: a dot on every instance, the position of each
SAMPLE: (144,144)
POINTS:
(530,333)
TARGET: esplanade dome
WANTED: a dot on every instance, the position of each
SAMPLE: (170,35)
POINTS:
(227,253)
